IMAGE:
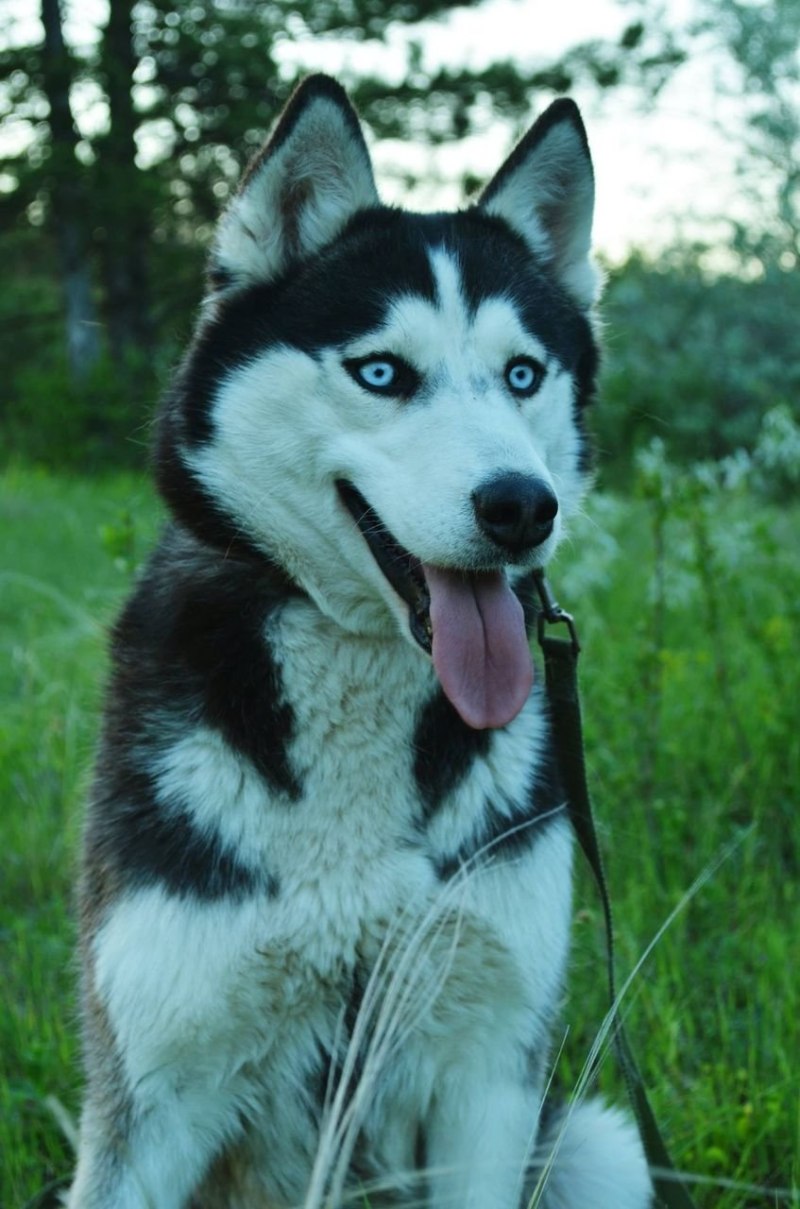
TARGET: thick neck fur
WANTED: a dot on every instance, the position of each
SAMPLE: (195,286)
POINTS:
(220,664)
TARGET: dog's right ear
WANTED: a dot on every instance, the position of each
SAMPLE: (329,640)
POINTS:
(299,192)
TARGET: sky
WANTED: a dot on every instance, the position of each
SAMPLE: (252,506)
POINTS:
(659,173)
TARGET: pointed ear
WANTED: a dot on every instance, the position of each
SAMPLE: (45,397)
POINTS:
(545,191)
(313,174)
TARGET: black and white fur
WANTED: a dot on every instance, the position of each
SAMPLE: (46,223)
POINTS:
(326,903)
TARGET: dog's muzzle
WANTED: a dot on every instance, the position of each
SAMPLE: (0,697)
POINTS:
(469,621)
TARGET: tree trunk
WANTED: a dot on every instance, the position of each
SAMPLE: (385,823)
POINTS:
(67,201)
(127,225)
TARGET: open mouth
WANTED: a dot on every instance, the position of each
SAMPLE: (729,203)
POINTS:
(403,571)
(470,622)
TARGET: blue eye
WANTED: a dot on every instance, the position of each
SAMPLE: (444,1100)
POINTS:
(524,376)
(383,374)
(377,374)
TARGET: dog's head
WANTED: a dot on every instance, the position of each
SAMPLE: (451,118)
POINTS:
(387,404)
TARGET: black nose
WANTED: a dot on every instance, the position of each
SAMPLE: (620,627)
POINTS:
(515,510)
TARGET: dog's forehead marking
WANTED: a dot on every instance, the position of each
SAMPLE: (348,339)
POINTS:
(448,333)
(450,300)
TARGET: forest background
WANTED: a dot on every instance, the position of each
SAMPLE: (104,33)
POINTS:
(123,133)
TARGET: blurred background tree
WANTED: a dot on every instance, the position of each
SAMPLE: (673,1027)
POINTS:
(702,358)
(763,43)
(755,46)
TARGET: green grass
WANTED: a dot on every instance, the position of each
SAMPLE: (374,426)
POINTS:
(65,550)
(691,716)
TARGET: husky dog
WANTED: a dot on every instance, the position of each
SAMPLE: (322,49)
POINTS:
(325,902)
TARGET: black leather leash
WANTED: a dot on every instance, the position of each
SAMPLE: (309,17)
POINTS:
(561,683)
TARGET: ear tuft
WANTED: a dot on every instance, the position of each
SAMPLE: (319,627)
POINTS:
(311,177)
(545,191)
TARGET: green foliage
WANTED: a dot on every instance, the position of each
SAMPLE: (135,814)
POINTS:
(694,359)
(686,598)
(103,421)
(47,417)
(776,459)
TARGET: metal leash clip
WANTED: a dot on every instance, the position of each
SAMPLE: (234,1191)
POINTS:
(551,612)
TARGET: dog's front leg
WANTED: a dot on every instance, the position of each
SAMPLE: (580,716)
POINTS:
(150,1156)
(171,992)
(479,1135)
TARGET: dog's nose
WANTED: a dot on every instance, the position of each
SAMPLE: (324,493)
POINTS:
(515,510)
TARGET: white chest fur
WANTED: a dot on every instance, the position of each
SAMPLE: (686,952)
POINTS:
(346,850)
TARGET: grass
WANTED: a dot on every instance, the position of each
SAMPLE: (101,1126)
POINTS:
(688,603)
(63,568)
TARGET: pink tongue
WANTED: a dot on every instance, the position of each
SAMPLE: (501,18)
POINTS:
(480,648)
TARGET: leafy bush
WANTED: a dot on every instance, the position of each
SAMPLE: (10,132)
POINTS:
(776,458)
(694,360)
(101,422)
(48,418)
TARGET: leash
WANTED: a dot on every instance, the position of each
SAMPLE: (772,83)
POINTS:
(561,683)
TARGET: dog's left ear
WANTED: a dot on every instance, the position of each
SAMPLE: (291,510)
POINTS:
(545,191)
(299,192)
